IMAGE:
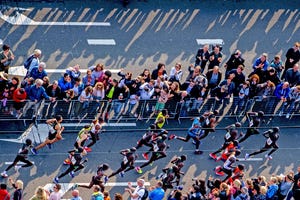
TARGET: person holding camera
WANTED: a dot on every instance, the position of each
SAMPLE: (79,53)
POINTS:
(6,58)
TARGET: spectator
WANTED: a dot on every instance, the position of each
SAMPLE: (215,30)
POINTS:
(126,78)
(98,91)
(295,192)
(55,195)
(243,196)
(272,189)
(215,57)
(292,57)
(266,95)
(202,57)
(159,71)
(157,193)
(74,72)
(6,58)
(38,72)
(106,195)
(285,184)
(175,195)
(46,82)
(234,61)
(19,98)
(138,192)
(40,194)
(78,87)
(277,64)
(261,62)
(146,75)
(88,79)
(97,71)
(3,81)
(282,93)
(193,73)
(65,82)
(271,75)
(75,195)
(35,94)
(4,194)
(292,101)
(106,79)
(27,83)
(18,185)
(214,77)
(118,196)
(176,73)
(293,75)
(54,91)
(35,61)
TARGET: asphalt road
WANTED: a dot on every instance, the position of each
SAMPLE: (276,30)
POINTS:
(145,34)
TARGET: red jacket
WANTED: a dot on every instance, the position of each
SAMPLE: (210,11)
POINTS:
(18,97)
(4,195)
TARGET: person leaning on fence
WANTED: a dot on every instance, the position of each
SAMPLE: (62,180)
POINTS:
(38,72)
(6,58)
(160,104)
(34,61)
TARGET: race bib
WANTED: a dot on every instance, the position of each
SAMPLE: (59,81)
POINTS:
(227,135)
(155,148)
(269,141)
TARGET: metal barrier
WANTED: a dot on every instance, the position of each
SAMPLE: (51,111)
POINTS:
(145,109)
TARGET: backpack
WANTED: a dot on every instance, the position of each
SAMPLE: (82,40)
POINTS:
(28,62)
(145,196)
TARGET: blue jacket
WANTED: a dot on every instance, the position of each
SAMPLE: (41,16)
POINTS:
(37,93)
(279,92)
(64,86)
(157,194)
(35,73)
(272,190)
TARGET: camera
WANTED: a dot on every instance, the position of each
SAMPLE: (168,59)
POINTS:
(178,187)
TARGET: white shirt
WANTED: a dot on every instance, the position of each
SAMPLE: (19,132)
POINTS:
(140,191)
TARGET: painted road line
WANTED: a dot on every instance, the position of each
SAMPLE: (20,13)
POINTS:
(19,163)
(250,159)
(1,42)
(101,42)
(20,19)
(209,41)
(140,161)
(105,124)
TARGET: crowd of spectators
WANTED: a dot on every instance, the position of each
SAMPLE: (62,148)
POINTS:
(272,82)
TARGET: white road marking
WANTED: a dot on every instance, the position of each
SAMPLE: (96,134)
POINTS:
(19,163)
(210,41)
(105,124)
(140,161)
(20,19)
(101,42)
(1,42)
(251,159)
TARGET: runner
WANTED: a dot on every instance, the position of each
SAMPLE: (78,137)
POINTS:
(55,131)
(193,132)
(82,137)
(96,129)
(230,136)
(21,156)
(254,119)
(228,166)
(75,156)
(96,180)
(127,163)
(159,151)
(272,136)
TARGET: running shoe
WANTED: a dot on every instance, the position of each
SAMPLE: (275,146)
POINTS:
(33,151)
(172,136)
(220,173)
(145,155)
(67,161)
(213,156)
(4,175)
(138,170)
(72,174)
(56,180)
(121,174)
(87,149)
(17,167)
(247,156)
(105,179)
(268,157)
